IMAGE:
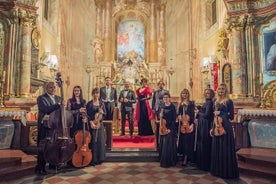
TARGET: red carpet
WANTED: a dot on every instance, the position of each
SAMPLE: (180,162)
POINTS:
(133,142)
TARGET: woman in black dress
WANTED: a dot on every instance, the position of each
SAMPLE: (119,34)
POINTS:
(143,112)
(76,105)
(167,151)
(205,116)
(223,155)
(96,111)
(186,138)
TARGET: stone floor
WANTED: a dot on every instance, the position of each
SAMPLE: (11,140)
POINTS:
(132,172)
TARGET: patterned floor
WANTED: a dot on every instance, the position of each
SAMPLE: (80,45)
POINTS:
(139,173)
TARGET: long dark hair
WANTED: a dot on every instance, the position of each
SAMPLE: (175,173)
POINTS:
(81,96)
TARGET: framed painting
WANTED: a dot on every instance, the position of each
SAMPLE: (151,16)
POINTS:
(270,51)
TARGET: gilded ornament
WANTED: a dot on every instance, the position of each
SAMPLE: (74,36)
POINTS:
(33,136)
(35,38)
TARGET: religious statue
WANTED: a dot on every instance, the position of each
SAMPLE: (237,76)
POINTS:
(98,51)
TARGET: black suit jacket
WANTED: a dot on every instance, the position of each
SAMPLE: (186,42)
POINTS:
(131,99)
(113,95)
(154,99)
(46,105)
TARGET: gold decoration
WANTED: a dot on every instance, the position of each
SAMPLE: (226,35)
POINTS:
(268,99)
(33,136)
(35,38)
(222,45)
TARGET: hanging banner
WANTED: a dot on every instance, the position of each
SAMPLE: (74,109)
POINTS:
(214,76)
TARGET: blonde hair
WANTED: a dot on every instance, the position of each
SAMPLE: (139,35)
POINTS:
(223,99)
(184,91)
(181,98)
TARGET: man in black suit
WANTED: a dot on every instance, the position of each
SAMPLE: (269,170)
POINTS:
(47,103)
(157,103)
(127,99)
(108,96)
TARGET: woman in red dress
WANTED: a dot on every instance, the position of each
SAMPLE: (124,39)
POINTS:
(143,113)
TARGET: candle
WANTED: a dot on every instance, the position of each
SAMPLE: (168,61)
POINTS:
(3,75)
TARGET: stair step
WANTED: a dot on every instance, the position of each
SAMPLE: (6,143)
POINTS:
(9,173)
(258,156)
(7,162)
(15,163)
(132,155)
(255,169)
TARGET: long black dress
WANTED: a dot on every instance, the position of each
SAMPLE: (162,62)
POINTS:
(223,155)
(186,141)
(98,135)
(74,107)
(204,140)
(143,113)
(168,150)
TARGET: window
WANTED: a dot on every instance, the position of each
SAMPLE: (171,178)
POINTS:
(214,12)
(211,13)
(46,9)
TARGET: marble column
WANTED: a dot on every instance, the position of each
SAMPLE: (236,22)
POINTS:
(251,58)
(152,34)
(107,31)
(162,35)
(98,27)
(98,42)
(237,56)
(25,57)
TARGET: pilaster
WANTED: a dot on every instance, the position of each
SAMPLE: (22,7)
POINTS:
(27,20)
(237,55)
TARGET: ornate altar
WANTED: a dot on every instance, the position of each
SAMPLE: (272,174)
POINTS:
(131,70)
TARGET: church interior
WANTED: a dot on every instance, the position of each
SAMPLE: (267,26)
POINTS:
(195,45)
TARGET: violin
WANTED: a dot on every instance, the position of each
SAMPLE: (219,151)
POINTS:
(163,122)
(97,121)
(218,129)
(82,155)
(185,126)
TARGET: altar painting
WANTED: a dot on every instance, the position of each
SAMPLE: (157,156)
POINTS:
(131,38)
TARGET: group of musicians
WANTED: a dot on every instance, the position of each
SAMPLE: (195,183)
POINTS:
(202,135)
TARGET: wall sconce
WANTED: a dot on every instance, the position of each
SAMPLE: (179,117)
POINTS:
(53,62)
(48,60)
(205,64)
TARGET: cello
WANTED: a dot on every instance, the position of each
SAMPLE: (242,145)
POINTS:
(83,155)
(59,147)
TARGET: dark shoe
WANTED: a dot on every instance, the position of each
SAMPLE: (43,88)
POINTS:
(122,135)
(40,171)
(93,164)
(53,167)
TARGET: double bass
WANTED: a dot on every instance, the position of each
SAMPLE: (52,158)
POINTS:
(59,147)
(83,155)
